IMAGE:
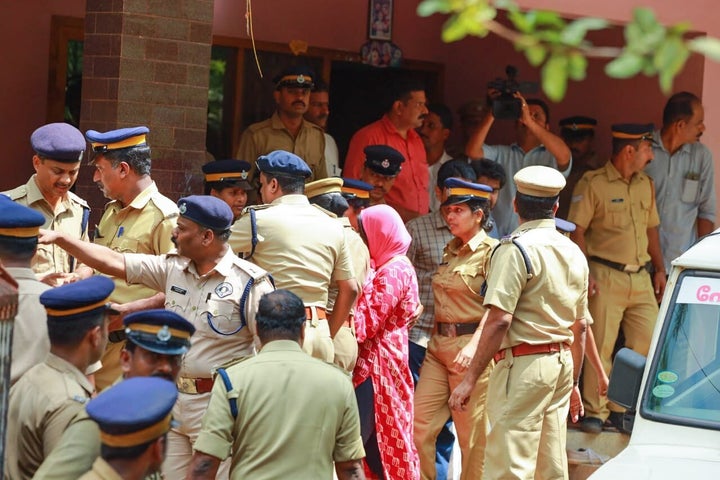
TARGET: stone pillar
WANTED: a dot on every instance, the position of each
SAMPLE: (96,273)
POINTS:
(147,62)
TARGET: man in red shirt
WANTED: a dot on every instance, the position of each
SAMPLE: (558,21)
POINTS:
(396,129)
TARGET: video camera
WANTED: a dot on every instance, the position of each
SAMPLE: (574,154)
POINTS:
(505,106)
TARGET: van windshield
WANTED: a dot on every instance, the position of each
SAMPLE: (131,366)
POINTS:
(683,386)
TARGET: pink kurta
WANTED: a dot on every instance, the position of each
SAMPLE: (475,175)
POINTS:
(388,302)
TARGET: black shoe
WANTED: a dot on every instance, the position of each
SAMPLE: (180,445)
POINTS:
(618,420)
(591,425)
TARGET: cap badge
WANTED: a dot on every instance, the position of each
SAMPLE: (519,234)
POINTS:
(385,163)
(164,334)
(300,79)
(183,208)
(244,174)
(574,126)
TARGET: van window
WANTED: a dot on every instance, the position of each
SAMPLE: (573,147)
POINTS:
(683,385)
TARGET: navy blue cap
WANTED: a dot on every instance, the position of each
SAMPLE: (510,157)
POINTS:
(280,162)
(564,226)
(134,412)
(58,141)
(117,139)
(160,331)
(295,76)
(383,160)
(458,190)
(207,211)
(352,188)
(79,299)
(231,171)
(17,220)
(633,131)
(578,123)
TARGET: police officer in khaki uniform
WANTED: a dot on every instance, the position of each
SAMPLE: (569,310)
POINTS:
(19,227)
(458,306)
(539,344)
(157,340)
(138,219)
(288,415)
(617,228)
(229,180)
(49,395)
(59,148)
(208,284)
(303,249)
(326,194)
(134,418)
(286,129)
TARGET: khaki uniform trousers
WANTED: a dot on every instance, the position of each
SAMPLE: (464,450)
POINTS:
(111,369)
(624,301)
(188,410)
(346,349)
(527,407)
(317,342)
(438,378)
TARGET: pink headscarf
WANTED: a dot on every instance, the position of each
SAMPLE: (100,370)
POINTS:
(386,234)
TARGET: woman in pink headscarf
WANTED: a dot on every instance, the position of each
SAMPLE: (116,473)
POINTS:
(387,306)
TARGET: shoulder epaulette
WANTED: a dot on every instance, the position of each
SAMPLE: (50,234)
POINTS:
(166,206)
(17,192)
(78,200)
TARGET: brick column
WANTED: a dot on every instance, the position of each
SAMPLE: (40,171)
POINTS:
(147,62)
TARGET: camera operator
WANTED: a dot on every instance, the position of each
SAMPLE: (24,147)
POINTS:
(536,145)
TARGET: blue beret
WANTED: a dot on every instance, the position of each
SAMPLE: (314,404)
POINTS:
(458,190)
(633,131)
(383,160)
(295,76)
(353,188)
(280,162)
(564,226)
(207,211)
(77,300)
(117,139)
(160,331)
(578,123)
(234,172)
(58,141)
(134,412)
(17,220)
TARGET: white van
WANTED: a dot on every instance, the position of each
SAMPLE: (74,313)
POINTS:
(676,394)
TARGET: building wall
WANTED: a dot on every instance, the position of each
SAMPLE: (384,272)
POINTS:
(342,25)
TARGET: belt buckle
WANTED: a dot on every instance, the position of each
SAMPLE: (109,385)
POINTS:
(631,268)
(451,330)
(187,385)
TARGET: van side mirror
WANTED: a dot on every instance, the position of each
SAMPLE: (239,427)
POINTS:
(626,377)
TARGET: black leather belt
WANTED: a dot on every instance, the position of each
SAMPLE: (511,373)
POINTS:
(117,336)
(617,266)
(456,329)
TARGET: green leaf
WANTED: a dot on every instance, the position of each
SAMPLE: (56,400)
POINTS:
(453,29)
(554,77)
(680,28)
(549,18)
(666,81)
(645,18)
(577,66)
(669,60)
(429,7)
(649,69)
(575,32)
(525,23)
(627,65)
(508,5)
(535,54)
(708,46)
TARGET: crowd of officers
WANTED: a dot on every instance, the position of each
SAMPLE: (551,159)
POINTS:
(187,291)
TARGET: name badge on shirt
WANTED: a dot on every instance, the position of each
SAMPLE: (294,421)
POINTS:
(179,290)
(617,200)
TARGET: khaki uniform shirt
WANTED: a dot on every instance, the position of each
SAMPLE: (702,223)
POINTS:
(101,470)
(459,279)
(144,226)
(42,404)
(263,137)
(360,259)
(284,427)
(213,298)
(545,306)
(616,214)
(30,343)
(299,245)
(66,218)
